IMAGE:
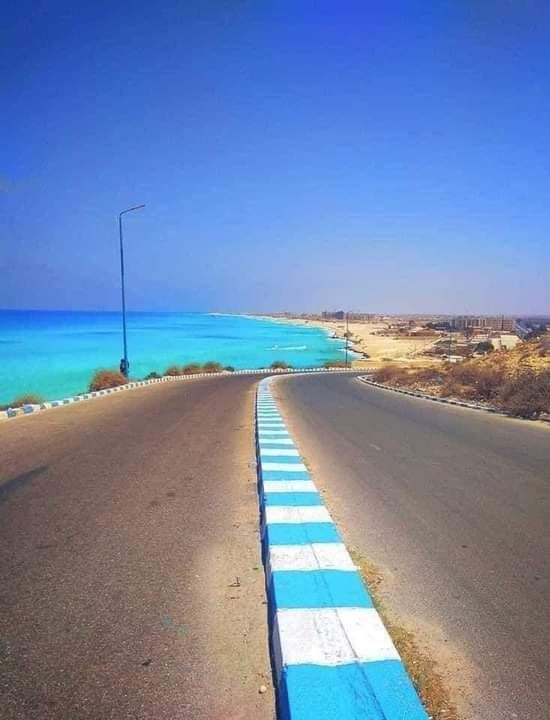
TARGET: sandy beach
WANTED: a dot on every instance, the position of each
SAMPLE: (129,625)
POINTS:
(370,341)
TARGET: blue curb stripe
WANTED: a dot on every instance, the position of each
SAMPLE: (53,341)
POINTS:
(301,533)
(276,444)
(281,475)
(317,589)
(332,657)
(297,499)
(368,691)
(283,459)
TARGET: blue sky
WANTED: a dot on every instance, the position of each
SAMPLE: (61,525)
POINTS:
(292,155)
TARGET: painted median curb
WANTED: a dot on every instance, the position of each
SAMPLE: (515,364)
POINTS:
(446,401)
(333,658)
(33,409)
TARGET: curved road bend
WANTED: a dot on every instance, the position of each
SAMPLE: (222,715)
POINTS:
(131,583)
(453,506)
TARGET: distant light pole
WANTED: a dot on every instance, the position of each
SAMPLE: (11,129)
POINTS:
(124,364)
(347,339)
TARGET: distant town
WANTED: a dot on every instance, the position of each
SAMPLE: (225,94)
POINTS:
(420,338)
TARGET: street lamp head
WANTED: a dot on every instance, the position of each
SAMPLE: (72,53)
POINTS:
(136,207)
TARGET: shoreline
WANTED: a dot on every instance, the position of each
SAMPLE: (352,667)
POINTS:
(48,368)
(370,341)
(338,334)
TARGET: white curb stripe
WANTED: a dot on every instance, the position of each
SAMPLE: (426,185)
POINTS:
(296,514)
(263,433)
(287,467)
(276,441)
(282,486)
(332,636)
(318,556)
(279,452)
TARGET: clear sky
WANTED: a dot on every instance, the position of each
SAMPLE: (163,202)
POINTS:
(377,156)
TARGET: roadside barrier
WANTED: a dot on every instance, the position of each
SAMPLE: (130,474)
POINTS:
(35,408)
(447,401)
(333,658)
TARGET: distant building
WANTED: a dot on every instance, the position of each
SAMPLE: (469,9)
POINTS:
(484,322)
(361,317)
(334,315)
(352,316)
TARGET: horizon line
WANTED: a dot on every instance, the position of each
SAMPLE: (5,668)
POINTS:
(267,313)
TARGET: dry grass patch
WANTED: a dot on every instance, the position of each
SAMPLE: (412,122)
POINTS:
(104,379)
(335,364)
(280,365)
(191,369)
(26,399)
(212,367)
(421,668)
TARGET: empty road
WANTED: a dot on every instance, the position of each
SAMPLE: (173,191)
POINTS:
(131,584)
(453,506)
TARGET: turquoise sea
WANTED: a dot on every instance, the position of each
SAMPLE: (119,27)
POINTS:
(54,354)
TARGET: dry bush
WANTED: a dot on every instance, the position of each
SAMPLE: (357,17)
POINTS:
(191,369)
(173,371)
(484,379)
(390,373)
(454,389)
(280,365)
(428,375)
(527,395)
(26,399)
(212,367)
(335,364)
(104,379)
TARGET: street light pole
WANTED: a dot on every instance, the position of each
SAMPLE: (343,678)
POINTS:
(347,339)
(124,364)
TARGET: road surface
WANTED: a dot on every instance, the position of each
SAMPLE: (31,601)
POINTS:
(453,506)
(131,584)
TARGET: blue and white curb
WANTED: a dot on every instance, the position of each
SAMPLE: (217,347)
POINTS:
(333,658)
(36,408)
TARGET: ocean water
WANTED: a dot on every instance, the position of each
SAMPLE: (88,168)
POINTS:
(55,354)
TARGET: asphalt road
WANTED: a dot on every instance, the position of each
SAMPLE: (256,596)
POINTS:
(131,584)
(453,506)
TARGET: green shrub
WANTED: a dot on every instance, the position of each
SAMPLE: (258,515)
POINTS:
(280,365)
(212,367)
(527,395)
(104,379)
(173,371)
(152,376)
(229,368)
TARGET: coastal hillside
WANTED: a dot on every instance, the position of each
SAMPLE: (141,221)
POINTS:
(515,380)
